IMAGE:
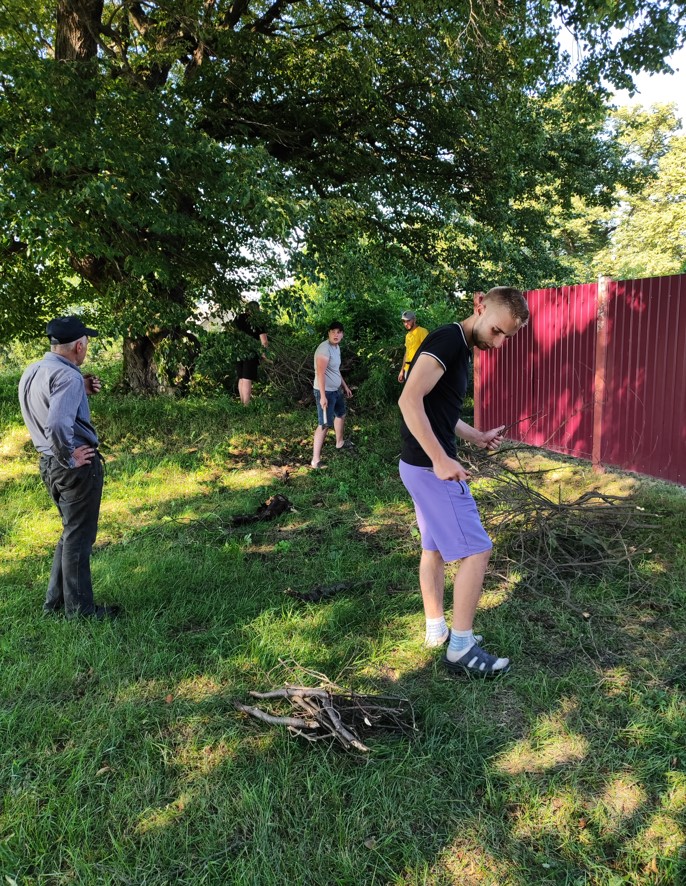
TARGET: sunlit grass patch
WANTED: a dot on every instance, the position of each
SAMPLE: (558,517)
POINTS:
(14,444)
(622,798)
(552,745)
(163,816)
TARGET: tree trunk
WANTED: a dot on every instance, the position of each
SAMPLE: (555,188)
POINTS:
(140,371)
(78,24)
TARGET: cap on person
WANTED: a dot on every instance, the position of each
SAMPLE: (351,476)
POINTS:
(409,315)
(335,324)
(64,330)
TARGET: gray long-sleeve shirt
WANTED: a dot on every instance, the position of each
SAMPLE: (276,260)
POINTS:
(54,405)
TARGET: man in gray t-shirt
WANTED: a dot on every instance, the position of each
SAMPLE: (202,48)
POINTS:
(330,391)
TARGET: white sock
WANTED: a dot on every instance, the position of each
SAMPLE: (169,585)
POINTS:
(436,632)
(460,642)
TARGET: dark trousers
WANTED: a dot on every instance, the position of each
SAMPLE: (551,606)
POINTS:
(77,493)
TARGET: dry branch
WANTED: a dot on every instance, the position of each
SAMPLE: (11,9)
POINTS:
(333,713)
(551,542)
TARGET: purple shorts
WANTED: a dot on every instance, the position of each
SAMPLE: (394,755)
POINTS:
(446,514)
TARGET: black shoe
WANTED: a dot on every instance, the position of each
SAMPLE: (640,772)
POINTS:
(103,612)
(99,613)
(52,611)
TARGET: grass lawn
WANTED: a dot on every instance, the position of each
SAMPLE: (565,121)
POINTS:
(123,761)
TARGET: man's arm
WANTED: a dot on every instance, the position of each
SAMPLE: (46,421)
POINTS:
(483,439)
(346,389)
(424,376)
(322,363)
(65,398)
(401,374)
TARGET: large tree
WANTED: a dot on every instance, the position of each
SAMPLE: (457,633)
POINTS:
(647,230)
(154,154)
(643,232)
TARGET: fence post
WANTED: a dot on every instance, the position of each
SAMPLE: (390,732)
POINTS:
(600,371)
(478,403)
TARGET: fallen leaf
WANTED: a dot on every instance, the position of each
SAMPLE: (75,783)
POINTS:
(370,842)
(103,770)
(169,699)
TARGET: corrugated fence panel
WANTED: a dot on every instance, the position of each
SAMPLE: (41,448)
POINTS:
(644,414)
(544,379)
(506,391)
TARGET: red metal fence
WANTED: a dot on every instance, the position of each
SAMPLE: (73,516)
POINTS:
(598,373)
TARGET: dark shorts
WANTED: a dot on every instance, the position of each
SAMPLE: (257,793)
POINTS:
(335,407)
(248,368)
(447,516)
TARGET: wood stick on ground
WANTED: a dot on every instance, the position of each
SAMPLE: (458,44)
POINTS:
(291,722)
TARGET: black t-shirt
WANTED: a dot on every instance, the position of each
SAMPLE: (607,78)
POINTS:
(443,404)
(249,323)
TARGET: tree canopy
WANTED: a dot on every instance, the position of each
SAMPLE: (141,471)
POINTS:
(154,154)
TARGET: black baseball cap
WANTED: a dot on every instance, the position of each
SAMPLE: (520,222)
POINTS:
(63,330)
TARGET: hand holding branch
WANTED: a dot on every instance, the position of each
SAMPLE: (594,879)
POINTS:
(492,439)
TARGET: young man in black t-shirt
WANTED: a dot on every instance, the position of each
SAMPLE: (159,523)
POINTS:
(249,322)
(448,520)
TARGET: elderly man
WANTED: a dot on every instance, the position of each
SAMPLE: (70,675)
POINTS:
(448,520)
(52,395)
(415,335)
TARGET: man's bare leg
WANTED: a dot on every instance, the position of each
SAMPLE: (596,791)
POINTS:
(338,426)
(469,583)
(432,583)
(468,587)
(319,437)
(245,390)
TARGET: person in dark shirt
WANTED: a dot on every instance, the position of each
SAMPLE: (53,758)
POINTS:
(250,323)
(448,520)
(54,404)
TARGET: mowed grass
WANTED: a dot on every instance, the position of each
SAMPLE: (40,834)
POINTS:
(123,761)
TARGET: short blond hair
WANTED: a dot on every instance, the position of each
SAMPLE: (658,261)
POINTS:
(513,299)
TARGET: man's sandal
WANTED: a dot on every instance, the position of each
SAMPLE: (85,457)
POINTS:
(476,662)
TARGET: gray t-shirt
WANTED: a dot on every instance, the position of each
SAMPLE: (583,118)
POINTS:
(332,377)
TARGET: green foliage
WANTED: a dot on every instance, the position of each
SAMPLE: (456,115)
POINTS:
(644,233)
(649,227)
(194,149)
(370,297)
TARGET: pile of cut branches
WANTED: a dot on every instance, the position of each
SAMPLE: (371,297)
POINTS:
(289,370)
(551,542)
(329,712)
